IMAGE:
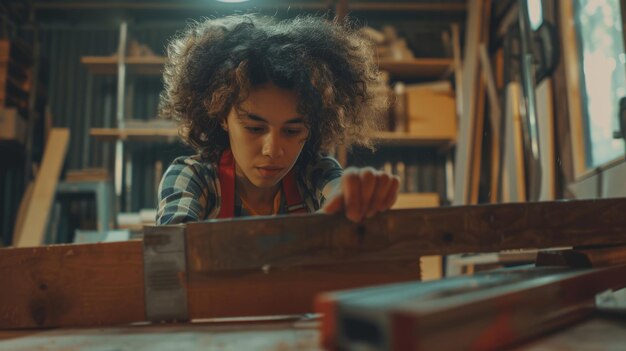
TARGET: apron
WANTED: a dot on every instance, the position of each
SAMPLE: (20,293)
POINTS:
(229,208)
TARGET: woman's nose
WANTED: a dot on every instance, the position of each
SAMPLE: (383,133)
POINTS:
(271,146)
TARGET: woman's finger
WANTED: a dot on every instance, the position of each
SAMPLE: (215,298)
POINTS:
(350,187)
(368,178)
(333,205)
(380,194)
(392,193)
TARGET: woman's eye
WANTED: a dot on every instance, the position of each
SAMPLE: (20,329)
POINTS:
(254,129)
(293,131)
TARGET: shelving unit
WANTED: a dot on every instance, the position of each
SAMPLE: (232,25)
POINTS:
(412,139)
(122,65)
(427,68)
(108,65)
(411,70)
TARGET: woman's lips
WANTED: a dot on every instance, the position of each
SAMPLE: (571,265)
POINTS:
(269,171)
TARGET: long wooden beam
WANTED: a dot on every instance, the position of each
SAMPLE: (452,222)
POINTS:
(402,234)
(71,285)
(276,265)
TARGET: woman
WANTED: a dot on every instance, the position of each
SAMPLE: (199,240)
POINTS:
(263,102)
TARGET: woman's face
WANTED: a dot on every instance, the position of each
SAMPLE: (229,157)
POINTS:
(266,135)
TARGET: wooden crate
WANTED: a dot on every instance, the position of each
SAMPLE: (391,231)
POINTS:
(431,113)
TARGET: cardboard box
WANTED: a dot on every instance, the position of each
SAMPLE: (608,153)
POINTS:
(12,125)
(431,114)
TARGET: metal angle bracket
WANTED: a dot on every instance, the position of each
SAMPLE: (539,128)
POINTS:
(165,273)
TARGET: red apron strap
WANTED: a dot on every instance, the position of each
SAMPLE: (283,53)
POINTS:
(295,204)
(226,174)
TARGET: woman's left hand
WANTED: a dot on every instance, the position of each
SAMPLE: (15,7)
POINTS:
(362,193)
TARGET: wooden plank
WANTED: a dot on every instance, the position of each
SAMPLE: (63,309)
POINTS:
(463,157)
(483,312)
(36,218)
(458,68)
(416,200)
(270,290)
(431,267)
(71,285)
(317,239)
(495,117)
(477,143)
(418,138)
(416,68)
(479,114)
(513,174)
(274,265)
(142,65)
(21,211)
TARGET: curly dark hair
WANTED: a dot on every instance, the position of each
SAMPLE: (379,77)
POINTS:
(212,65)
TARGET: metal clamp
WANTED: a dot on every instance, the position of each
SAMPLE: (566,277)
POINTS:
(165,273)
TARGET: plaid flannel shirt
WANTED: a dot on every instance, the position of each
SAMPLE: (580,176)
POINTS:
(190,191)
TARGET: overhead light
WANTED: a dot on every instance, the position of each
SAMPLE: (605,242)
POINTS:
(232,0)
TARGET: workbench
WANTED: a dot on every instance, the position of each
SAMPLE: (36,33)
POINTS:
(232,274)
(283,333)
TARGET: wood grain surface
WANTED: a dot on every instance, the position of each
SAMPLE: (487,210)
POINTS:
(71,285)
(397,235)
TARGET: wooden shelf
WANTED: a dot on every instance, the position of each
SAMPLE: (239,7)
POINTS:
(433,6)
(107,65)
(405,139)
(416,68)
(168,135)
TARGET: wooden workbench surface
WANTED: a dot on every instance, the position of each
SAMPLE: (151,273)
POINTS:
(273,334)
(278,333)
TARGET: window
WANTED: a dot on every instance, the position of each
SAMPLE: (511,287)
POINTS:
(603,77)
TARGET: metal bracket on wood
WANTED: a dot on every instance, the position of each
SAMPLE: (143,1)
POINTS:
(165,273)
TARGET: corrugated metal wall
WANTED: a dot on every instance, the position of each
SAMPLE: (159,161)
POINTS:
(80,100)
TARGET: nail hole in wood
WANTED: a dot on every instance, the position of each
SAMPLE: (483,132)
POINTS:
(360,232)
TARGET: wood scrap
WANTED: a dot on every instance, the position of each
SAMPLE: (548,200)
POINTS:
(21,212)
(87,175)
(513,183)
(44,189)
(495,115)
(463,158)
